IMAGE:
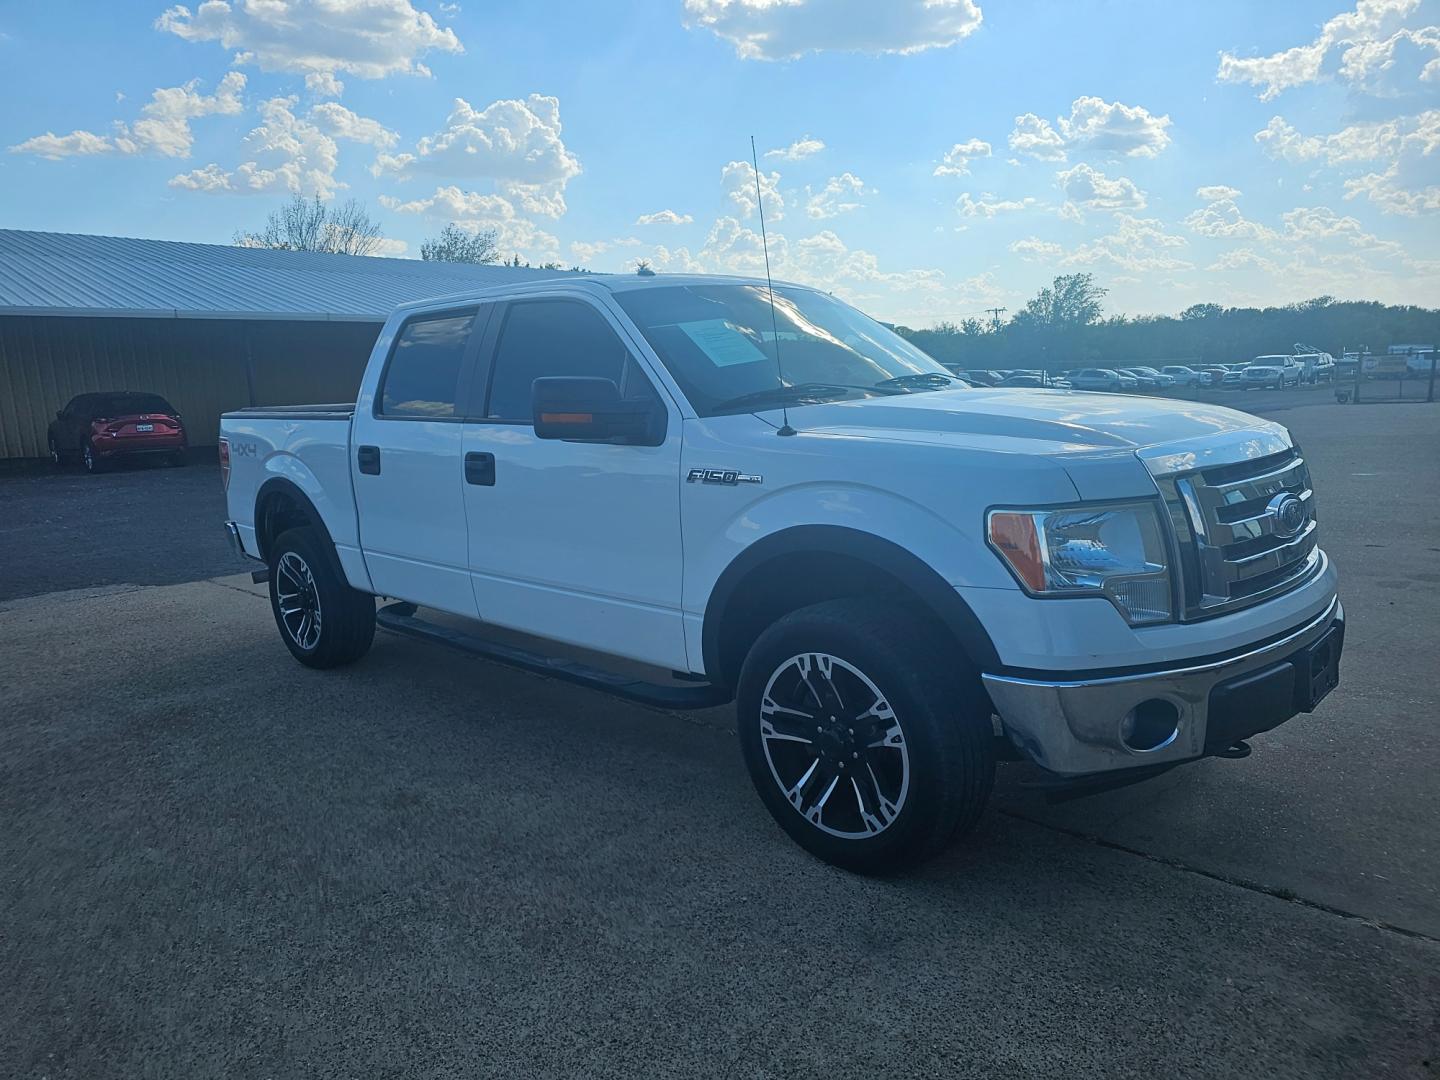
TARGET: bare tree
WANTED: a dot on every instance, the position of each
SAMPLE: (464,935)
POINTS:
(310,225)
(454,244)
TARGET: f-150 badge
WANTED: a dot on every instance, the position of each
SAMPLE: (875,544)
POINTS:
(723,476)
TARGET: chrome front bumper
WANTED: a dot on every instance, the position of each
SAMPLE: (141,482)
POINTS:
(1072,727)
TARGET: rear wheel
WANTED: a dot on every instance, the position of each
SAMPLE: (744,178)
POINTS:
(90,459)
(865,739)
(322,620)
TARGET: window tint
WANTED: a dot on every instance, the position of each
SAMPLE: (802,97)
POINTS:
(123,404)
(544,338)
(425,367)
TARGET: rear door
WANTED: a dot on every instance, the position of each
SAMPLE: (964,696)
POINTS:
(406,462)
(572,541)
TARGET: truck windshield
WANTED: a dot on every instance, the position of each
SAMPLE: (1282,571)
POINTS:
(718,342)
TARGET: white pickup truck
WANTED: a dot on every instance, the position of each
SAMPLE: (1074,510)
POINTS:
(899,579)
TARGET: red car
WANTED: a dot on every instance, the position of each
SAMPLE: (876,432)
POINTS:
(98,428)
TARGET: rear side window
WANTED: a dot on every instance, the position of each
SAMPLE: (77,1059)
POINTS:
(423,375)
(543,338)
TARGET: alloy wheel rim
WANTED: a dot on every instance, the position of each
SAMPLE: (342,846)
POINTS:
(299,600)
(834,746)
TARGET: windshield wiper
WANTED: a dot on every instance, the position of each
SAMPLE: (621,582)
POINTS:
(923,380)
(800,393)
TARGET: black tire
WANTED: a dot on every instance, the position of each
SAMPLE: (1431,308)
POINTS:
(345,616)
(176,459)
(89,461)
(931,788)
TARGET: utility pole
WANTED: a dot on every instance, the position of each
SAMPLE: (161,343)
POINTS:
(995,313)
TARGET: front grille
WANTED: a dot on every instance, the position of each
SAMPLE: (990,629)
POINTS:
(1233,550)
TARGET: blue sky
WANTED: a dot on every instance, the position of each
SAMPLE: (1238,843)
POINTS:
(926,160)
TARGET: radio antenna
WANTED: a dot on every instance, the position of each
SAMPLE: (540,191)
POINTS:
(785,428)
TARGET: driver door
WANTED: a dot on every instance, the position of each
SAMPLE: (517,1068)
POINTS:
(577,542)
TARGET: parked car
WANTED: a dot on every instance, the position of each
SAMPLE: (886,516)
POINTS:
(1234,376)
(1212,376)
(1276,372)
(1106,379)
(1052,382)
(95,429)
(616,465)
(1162,381)
(1143,382)
(981,377)
(1184,376)
(1316,367)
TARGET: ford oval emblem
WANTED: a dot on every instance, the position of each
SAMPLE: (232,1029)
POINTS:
(1288,510)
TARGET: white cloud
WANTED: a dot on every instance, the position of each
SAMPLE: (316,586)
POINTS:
(1406,146)
(163,127)
(475,211)
(367,38)
(1137,245)
(1033,248)
(1106,127)
(1370,49)
(989,206)
(738,180)
(1088,189)
(285,154)
(336,120)
(1215,192)
(1035,137)
(664,217)
(956,161)
(586,251)
(803,147)
(516,144)
(389,248)
(1222,219)
(786,29)
(324,84)
(840,195)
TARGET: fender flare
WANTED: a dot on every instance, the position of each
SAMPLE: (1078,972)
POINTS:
(280,485)
(923,580)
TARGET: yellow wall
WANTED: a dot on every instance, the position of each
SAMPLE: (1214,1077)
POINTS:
(199,365)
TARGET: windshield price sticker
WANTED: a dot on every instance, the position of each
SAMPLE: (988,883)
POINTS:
(722,342)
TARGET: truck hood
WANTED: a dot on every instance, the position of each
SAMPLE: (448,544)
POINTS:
(1027,420)
(1110,446)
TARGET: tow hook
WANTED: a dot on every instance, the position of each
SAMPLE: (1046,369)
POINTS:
(1240,749)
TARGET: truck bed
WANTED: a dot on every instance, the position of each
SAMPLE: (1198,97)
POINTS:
(342,410)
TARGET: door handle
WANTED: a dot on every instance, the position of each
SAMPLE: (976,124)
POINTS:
(368,458)
(480,469)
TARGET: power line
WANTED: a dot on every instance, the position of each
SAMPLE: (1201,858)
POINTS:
(995,313)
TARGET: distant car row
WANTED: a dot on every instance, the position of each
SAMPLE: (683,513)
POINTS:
(1264,372)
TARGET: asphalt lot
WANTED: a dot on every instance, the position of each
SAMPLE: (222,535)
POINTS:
(216,862)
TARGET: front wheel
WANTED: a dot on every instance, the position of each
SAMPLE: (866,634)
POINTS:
(322,620)
(866,740)
(90,459)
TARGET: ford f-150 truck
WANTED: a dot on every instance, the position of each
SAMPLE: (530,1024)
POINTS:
(770,498)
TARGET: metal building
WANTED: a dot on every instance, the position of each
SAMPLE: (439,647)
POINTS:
(209,327)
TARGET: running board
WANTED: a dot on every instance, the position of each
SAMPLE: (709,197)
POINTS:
(400,618)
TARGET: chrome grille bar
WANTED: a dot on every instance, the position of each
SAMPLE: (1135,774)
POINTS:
(1234,552)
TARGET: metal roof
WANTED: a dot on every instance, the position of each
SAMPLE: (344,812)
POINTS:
(74,274)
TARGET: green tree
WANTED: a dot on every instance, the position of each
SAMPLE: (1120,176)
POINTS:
(456,245)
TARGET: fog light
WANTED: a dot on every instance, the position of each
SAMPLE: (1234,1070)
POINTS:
(1151,725)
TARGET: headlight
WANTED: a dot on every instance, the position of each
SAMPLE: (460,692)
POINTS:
(1116,551)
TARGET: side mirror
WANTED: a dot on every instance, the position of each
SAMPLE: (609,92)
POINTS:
(592,410)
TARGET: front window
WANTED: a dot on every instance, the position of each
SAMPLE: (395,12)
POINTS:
(719,342)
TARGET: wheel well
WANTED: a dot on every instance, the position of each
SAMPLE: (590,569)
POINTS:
(279,508)
(796,580)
